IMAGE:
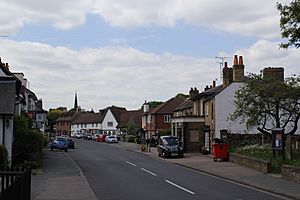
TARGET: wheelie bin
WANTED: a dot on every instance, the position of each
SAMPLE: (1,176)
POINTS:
(220,151)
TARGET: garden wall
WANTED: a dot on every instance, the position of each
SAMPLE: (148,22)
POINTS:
(238,140)
(253,163)
(291,173)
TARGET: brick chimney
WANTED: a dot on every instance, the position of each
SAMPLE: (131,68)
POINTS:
(206,88)
(193,92)
(276,73)
(238,69)
(39,104)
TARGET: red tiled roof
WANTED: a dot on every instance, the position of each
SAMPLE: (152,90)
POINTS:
(167,107)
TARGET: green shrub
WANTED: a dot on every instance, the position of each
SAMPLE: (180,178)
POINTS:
(27,145)
(3,157)
(130,138)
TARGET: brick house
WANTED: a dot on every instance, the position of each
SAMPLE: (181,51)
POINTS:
(158,120)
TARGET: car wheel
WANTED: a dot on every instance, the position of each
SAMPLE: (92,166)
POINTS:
(66,150)
(51,149)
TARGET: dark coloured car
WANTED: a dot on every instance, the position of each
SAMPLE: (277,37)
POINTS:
(169,146)
(71,144)
(59,143)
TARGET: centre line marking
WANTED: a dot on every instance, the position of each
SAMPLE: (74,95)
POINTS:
(148,172)
(182,188)
(131,163)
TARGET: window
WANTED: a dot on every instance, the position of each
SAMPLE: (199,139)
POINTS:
(96,124)
(81,125)
(206,110)
(84,125)
(92,124)
(110,124)
(167,118)
(77,125)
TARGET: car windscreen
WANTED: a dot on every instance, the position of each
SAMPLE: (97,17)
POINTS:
(171,141)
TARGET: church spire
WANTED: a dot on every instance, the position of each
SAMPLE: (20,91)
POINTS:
(75,102)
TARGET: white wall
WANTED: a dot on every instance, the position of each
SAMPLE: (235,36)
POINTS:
(224,102)
(109,118)
(77,129)
(225,105)
(8,135)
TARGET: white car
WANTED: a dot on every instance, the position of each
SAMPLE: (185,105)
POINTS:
(111,139)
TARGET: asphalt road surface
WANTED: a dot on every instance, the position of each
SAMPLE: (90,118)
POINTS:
(117,174)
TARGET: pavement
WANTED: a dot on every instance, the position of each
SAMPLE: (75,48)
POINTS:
(60,178)
(51,183)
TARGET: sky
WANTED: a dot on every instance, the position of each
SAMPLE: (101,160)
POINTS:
(126,52)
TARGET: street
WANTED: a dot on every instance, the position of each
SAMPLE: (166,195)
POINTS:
(114,173)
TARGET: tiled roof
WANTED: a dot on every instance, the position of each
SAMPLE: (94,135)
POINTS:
(86,118)
(186,104)
(167,107)
(9,87)
(132,115)
(116,111)
(209,93)
(66,116)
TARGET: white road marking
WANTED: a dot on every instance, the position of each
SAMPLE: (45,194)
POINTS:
(148,172)
(182,188)
(131,163)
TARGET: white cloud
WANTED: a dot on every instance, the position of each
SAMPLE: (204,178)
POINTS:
(124,76)
(250,18)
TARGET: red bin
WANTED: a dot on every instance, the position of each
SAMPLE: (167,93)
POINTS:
(220,151)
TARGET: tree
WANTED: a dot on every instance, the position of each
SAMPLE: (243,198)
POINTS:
(181,95)
(290,23)
(52,116)
(268,103)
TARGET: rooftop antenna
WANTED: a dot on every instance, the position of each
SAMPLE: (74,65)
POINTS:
(221,60)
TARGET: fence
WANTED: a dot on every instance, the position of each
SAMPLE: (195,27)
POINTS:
(15,185)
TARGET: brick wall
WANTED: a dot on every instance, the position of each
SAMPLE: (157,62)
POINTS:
(291,173)
(253,163)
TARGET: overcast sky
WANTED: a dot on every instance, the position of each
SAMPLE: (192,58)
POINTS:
(123,52)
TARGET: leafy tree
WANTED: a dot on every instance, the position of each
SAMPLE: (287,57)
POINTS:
(153,104)
(52,116)
(181,95)
(268,103)
(290,23)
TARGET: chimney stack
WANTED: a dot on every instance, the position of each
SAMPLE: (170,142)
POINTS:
(226,80)
(274,73)
(214,84)
(235,60)
(193,92)
(238,69)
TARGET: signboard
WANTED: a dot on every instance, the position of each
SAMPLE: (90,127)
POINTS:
(278,139)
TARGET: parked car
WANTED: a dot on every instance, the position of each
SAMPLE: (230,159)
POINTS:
(94,136)
(59,143)
(101,138)
(87,136)
(169,146)
(79,135)
(111,139)
(71,144)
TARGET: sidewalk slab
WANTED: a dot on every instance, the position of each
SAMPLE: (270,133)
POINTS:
(60,179)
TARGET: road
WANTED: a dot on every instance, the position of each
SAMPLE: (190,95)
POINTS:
(115,174)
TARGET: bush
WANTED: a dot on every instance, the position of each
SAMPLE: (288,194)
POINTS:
(130,138)
(27,145)
(3,157)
